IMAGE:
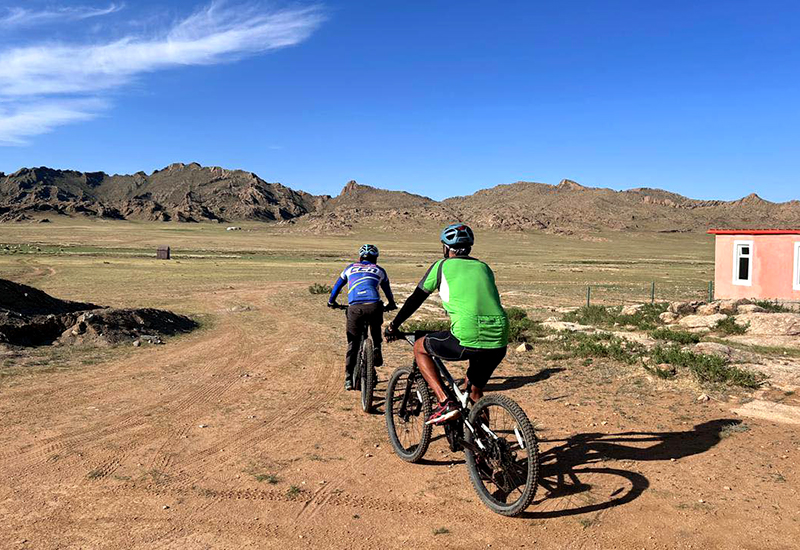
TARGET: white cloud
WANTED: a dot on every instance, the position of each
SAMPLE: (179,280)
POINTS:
(24,120)
(31,77)
(23,17)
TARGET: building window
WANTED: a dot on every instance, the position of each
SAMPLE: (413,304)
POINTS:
(796,279)
(743,263)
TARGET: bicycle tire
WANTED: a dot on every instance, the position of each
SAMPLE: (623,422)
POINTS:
(395,391)
(533,460)
(367,374)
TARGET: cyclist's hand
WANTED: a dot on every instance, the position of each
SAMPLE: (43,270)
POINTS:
(390,306)
(333,305)
(391,334)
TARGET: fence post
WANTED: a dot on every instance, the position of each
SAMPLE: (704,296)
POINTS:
(653,293)
(710,291)
(588,296)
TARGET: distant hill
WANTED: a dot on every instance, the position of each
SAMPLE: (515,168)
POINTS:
(193,193)
(179,192)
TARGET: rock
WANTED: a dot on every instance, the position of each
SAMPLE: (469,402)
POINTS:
(750,308)
(524,346)
(702,321)
(668,317)
(726,352)
(637,338)
(137,343)
(563,326)
(708,309)
(729,307)
(203,426)
(683,308)
(703,397)
(771,324)
(632,309)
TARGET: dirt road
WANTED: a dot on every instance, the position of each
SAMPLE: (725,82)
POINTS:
(240,436)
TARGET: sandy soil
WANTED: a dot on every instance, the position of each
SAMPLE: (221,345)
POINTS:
(241,436)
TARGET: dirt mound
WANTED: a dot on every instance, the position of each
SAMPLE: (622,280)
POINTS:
(30,317)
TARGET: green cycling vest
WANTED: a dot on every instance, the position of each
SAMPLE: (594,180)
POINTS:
(471,299)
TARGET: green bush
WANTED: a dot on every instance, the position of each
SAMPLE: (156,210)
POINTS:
(679,336)
(772,306)
(729,326)
(317,288)
(707,368)
(516,313)
(602,345)
(428,325)
(645,319)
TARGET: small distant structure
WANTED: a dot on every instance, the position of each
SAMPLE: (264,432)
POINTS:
(233,228)
(163,252)
(757,263)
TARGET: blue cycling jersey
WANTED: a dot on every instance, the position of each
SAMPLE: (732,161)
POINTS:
(363,280)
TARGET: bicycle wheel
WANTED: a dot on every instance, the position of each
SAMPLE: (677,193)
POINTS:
(367,374)
(505,473)
(408,404)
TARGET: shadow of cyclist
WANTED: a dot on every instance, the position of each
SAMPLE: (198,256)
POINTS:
(577,465)
(514,382)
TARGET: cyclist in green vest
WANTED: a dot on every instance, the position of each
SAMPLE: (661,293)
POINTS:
(478,323)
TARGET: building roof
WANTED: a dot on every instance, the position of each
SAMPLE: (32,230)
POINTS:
(754,231)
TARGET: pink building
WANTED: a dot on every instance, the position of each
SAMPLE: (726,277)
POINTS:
(757,263)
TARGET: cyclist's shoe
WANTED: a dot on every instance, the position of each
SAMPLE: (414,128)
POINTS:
(348,382)
(443,412)
(377,358)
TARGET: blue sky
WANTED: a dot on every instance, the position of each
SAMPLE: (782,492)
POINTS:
(435,97)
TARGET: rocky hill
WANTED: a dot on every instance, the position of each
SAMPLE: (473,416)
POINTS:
(190,192)
(180,192)
(570,207)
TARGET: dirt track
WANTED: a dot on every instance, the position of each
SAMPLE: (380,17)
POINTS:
(114,455)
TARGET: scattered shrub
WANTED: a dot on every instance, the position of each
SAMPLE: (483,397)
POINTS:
(516,313)
(603,345)
(679,336)
(707,368)
(729,326)
(317,288)
(772,306)
(428,325)
(645,319)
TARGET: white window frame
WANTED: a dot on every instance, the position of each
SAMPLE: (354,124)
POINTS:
(736,257)
(796,275)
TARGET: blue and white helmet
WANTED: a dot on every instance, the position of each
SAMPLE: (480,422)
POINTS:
(368,250)
(458,235)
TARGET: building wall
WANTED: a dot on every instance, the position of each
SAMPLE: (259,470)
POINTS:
(773,267)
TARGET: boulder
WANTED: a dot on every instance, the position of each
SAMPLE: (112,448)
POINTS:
(668,317)
(726,352)
(708,309)
(632,309)
(750,308)
(771,324)
(683,308)
(523,347)
(702,321)
(563,326)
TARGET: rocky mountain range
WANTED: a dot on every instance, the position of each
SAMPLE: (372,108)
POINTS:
(193,193)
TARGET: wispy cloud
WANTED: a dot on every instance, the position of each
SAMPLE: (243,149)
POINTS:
(24,17)
(48,83)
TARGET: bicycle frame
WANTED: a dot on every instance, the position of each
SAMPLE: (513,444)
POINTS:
(462,398)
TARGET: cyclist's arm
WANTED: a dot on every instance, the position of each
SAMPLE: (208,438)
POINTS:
(425,288)
(387,288)
(337,287)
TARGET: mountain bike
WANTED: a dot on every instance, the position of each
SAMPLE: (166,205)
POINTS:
(364,375)
(498,440)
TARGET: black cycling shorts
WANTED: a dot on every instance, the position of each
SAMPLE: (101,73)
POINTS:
(482,362)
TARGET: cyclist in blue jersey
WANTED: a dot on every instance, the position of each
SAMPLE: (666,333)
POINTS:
(363,279)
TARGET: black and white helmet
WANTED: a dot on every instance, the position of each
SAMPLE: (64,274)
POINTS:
(368,250)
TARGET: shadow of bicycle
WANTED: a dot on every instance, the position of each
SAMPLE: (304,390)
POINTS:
(576,481)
